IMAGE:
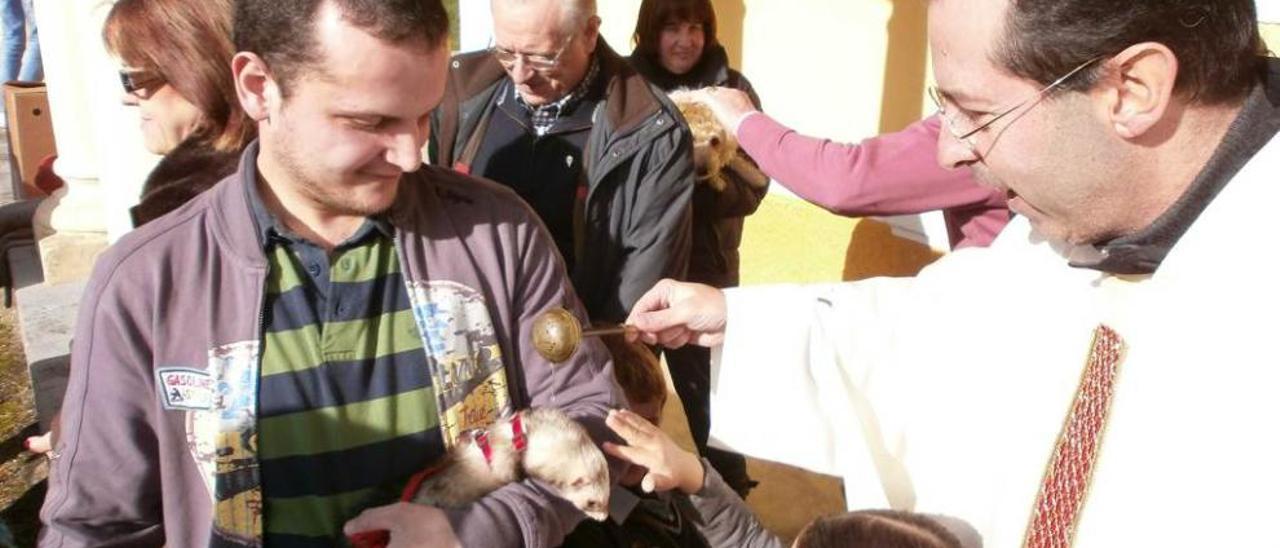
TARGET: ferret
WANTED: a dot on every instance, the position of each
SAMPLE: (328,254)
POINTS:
(714,148)
(543,444)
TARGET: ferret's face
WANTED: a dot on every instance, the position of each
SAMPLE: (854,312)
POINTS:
(584,479)
(562,454)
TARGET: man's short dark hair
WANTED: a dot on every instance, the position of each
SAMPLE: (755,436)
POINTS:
(1217,42)
(656,14)
(282,32)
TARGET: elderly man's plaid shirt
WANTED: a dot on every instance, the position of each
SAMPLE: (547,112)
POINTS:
(545,116)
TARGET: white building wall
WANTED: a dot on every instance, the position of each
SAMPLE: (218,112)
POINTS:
(475,22)
(1269,11)
(100,149)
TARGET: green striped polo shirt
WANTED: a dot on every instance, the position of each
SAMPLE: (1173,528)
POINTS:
(346,408)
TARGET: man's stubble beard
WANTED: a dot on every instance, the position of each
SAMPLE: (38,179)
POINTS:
(334,200)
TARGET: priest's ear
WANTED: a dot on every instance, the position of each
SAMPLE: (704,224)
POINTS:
(1136,89)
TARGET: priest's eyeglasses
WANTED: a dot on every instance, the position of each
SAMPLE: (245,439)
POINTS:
(963,128)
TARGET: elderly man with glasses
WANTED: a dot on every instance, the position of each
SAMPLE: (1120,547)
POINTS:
(1122,392)
(603,157)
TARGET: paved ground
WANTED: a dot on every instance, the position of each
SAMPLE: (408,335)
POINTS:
(21,474)
(6,187)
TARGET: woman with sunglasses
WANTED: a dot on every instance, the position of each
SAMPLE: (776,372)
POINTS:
(177,59)
(178,54)
(676,48)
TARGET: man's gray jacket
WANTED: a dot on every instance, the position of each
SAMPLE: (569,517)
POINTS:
(159,431)
(636,222)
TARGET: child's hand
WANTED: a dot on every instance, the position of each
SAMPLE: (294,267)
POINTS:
(648,446)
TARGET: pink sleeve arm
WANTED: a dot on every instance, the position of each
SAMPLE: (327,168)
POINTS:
(891,174)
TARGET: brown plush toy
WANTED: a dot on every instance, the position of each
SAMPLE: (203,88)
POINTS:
(715,150)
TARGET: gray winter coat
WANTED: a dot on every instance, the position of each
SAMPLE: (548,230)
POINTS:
(639,160)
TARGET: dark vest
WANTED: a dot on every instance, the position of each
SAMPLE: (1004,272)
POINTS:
(545,170)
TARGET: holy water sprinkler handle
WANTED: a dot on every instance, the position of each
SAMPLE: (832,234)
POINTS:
(609,330)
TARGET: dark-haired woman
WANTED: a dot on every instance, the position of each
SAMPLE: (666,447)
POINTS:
(676,48)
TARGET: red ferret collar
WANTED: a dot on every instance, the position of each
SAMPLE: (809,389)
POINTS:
(519,440)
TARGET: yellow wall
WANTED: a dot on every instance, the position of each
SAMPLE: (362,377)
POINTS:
(790,240)
(1271,33)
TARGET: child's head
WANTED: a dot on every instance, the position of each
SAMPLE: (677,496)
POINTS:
(640,376)
(883,528)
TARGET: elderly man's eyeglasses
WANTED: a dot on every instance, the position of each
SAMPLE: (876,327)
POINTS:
(536,61)
(135,80)
(963,128)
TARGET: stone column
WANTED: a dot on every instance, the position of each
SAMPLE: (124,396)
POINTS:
(69,225)
(100,152)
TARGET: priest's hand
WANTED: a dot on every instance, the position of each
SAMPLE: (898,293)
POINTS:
(730,106)
(674,314)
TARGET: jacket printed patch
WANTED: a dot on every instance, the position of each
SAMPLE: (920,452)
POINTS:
(185,389)
(462,349)
(224,442)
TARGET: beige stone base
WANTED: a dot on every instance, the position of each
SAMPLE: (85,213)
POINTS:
(69,256)
(69,234)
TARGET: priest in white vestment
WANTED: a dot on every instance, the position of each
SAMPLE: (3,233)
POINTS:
(1107,373)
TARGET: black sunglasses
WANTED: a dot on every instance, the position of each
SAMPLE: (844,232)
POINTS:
(134,81)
